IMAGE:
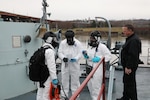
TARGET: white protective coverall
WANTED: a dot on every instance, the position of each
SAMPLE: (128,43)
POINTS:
(95,82)
(43,93)
(70,69)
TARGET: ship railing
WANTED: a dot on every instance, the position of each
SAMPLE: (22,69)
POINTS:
(148,57)
(111,82)
(102,88)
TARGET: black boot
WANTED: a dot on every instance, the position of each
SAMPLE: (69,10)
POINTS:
(120,98)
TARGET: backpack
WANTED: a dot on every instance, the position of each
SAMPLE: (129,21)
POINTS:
(38,71)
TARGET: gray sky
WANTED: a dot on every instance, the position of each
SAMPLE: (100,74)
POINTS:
(81,9)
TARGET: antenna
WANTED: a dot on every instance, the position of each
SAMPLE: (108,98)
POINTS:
(44,17)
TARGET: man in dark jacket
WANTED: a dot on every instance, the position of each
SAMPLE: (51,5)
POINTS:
(130,59)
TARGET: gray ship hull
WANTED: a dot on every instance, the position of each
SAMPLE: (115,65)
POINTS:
(14,57)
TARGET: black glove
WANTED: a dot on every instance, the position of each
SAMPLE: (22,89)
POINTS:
(65,59)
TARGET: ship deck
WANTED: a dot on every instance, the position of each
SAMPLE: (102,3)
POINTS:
(143,86)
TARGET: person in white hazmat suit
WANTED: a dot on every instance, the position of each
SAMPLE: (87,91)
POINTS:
(70,51)
(93,55)
(43,92)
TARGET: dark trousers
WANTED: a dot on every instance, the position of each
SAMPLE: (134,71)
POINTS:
(130,91)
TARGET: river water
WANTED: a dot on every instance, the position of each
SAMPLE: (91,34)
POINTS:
(144,39)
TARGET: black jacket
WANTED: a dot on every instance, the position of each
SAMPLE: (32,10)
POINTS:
(130,52)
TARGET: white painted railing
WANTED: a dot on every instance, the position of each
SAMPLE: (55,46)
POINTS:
(111,82)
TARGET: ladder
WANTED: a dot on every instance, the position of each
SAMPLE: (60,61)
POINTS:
(148,57)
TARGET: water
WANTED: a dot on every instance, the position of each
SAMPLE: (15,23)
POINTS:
(144,39)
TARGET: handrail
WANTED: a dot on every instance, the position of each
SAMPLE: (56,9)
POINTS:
(78,91)
(111,82)
(101,91)
(148,57)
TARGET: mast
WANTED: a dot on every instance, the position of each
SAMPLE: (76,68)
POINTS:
(44,17)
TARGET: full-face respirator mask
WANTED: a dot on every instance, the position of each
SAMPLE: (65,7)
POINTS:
(94,39)
(54,43)
(50,38)
(70,37)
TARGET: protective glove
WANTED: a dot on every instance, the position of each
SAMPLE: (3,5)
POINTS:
(55,81)
(96,59)
(85,54)
(73,60)
(65,59)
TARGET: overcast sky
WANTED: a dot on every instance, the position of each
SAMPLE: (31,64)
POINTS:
(80,9)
